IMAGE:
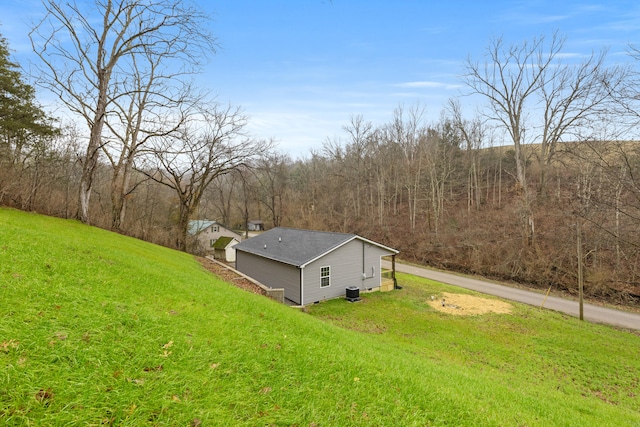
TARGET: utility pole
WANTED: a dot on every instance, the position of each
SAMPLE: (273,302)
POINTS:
(580,270)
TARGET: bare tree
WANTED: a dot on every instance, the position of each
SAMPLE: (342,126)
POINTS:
(151,106)
(509,80)
(531,90)
(307,181)
(441,145)
(472,133)
(220,196)
(246,195)
(575,98)
(87,60)
(210,144)
(359,133)
(272,170)
(408,132)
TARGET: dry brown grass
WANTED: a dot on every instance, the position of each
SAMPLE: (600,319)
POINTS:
(468,305)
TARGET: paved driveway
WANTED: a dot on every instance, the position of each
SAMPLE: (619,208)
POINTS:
(592,313)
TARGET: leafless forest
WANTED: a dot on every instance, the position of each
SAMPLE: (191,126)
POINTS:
(437,200)
(539,184)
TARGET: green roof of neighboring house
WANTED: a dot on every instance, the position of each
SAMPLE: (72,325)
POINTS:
(222,242)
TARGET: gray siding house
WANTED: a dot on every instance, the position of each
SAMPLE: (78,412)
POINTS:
(312,266)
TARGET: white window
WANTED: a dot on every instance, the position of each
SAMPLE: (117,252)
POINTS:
(325,277)
(214,229)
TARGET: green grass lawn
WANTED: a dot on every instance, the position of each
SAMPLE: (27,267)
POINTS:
(101,329)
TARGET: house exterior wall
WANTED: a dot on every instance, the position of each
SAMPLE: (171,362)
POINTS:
(255,226)
(227,254)
(230,254)
(271,273)
(206,236)
(347,263)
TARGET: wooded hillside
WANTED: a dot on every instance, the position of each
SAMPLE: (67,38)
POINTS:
(439,203)
(544,175)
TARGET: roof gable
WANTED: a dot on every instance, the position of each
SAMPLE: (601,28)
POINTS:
(199,225)
(297,247)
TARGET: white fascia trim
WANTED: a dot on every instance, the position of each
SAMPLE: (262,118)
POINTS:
(371,242)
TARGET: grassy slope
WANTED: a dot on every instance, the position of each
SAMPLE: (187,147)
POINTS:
(99,328)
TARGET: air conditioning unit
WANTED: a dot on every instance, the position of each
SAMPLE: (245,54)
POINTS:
(353,294)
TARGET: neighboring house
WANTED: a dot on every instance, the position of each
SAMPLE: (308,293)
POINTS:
(255,225)
(223,248)
(312,265)
(207,232)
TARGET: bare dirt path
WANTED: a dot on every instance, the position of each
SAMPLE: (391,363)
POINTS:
(592,313)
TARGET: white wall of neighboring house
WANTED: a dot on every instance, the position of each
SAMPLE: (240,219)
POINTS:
(230,252)
(211,233)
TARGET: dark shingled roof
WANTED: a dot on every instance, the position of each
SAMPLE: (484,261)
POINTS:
(294,246)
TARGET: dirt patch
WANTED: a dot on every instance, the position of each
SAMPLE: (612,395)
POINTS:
(468,305)
(230,276)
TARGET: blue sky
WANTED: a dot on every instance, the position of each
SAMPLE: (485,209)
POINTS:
(301,68)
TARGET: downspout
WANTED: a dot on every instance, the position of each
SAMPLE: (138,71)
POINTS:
(364,273)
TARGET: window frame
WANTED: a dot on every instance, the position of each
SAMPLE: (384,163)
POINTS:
(325,269)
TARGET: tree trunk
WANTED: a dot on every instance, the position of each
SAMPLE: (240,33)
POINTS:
(183,228)
(93,150)
(527,216)
(119,191)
